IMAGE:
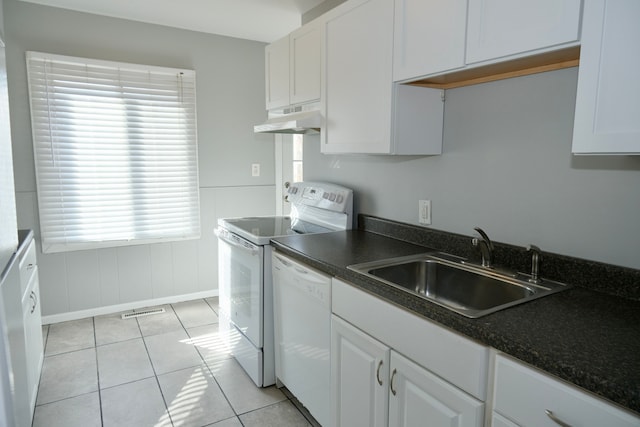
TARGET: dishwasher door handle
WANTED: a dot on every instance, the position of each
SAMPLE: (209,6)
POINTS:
(237,242)
(283,261)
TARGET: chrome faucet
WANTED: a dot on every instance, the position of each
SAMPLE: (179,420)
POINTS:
(535,263)
(486,247)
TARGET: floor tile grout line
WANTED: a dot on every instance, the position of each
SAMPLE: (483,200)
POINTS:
(277,403)
(67,352)
(155,374)
(298,405)
(95,341)
(117,342)
(204,361)
(220,387)
(212,307)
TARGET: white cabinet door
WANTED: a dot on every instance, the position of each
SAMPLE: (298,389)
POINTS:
(429,37)
(418,395)
(276,56)
(359,377)
(498,420)
(498,28)
(357,77)
(33,337)
(607,116)
(304,62)
(364,112)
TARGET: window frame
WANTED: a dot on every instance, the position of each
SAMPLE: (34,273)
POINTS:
(178,112)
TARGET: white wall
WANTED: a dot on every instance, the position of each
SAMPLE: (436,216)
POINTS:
(230,100)
(506,167)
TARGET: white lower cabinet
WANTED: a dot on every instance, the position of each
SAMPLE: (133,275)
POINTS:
(390,367)
(375,386)
(420,398)
(498,420)
(34,351)
(382,376)
(524,396)
(32,321)
(359,379)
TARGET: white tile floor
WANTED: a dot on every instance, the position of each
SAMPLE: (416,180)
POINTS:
(169,369)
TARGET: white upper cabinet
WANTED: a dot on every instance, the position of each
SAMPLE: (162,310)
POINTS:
(292,68)
(500,28)
(304,61)
(429,37)
(607,116)
(276,56)
(358,96)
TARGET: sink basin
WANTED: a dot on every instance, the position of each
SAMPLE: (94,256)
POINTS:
(469,290)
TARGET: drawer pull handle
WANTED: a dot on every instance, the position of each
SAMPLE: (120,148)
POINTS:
(378,373)
(30,266)
(393,375)
(556,419)
(35,301)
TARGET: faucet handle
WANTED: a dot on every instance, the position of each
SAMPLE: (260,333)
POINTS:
(536,256)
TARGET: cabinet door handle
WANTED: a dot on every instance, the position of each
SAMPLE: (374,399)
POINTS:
(556,419)
(393,375)
(378,373)
(35,301)
(30,266)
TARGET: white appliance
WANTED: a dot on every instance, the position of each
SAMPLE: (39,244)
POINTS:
(302,315)
(244,269)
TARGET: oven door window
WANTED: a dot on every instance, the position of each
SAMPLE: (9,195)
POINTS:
(241,287)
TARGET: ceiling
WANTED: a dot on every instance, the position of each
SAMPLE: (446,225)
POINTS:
(262,20)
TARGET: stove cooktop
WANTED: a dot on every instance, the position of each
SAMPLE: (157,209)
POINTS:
(259,230)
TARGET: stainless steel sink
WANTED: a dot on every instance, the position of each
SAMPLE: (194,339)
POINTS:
(472,291)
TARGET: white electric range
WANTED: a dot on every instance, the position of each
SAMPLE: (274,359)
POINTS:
(244,269)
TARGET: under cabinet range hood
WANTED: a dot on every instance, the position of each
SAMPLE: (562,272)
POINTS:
(299,120)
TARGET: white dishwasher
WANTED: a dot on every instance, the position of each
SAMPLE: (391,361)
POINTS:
(302,320)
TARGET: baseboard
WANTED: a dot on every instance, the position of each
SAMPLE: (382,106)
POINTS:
(100,311)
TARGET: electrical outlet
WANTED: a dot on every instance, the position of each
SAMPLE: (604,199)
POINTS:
(424,212)
(255,169)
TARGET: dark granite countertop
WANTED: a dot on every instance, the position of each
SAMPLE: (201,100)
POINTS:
(588,338)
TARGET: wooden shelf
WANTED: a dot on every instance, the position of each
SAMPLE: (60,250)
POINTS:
(556,60)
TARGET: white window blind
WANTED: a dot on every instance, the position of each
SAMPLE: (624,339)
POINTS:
(115,152)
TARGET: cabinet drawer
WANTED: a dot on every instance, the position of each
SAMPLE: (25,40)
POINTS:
(524,395)
(27,266)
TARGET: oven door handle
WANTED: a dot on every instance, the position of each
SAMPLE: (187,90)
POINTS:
(237,242)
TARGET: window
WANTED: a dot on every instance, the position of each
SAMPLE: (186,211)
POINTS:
(115,152)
